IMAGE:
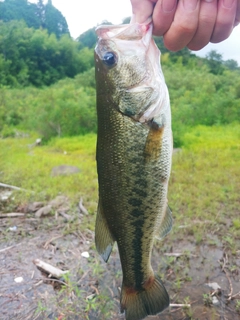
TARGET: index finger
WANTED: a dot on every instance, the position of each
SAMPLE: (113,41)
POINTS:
(163,15)
(184,25)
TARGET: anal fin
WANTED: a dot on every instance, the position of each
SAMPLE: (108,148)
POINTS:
(103,238)
(166,224)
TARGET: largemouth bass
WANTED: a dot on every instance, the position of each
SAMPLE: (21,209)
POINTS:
(134,151)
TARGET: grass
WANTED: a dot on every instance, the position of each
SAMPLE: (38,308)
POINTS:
(205,180)
(29,167)
(203,195)
(203,191)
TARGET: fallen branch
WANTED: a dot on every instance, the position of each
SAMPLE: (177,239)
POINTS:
(51,240)
(65,215)
(176,305)
(173,254)
(95,289)
(82,208)
(235,295)
(58,281)
(49,269)
(12,215)
(225,261)
(9,248)
(178,254)
(3,185)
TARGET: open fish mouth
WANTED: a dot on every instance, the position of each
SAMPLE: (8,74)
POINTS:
(127,32)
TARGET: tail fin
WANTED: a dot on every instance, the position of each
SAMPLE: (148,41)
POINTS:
(150,301)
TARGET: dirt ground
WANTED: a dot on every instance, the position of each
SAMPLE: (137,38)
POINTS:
(91,291)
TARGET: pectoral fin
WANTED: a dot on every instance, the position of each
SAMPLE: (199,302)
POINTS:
(103,238)
(166,224)
(153,145)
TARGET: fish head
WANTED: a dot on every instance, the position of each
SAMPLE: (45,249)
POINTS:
(128,71)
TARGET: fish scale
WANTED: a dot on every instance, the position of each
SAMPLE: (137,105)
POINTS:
(134,148)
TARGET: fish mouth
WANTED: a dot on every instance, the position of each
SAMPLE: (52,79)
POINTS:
(127,32)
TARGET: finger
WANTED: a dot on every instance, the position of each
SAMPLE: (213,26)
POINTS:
(206,22)
(237,18)
(225,20)
(163,15)
(184,25)
(142,10)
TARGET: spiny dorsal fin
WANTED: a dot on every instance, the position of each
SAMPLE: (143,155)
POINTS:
(103,238)
(166,224)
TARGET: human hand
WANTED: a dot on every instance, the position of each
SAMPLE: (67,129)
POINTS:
(189,23)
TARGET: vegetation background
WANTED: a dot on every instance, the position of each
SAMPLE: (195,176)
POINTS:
(47,78)
(47,91)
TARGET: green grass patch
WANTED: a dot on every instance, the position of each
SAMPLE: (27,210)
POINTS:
(29,167)
(205,180)
(204,184)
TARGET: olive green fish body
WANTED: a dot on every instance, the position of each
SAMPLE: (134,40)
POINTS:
(133,162)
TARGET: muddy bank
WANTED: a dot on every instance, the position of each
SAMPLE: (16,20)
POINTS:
(92,287)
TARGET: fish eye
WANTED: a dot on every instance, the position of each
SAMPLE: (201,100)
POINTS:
(109,59)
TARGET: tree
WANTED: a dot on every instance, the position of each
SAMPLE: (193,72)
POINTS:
(231,64)
(18,10)
(55,21)
(88,38)
(29,56)
(215,62)
(35,15)
(40,12)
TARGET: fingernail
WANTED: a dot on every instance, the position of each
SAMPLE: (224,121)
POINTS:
(190,5)
(228,3)
(168,5)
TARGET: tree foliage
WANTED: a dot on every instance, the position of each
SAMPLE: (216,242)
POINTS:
(64,109)
(202,90)
(68,107)
(35,15)
(199,96)
(29,56)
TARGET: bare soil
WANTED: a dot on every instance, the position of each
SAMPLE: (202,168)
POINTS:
(92,289)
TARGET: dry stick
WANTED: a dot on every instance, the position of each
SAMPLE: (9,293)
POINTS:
(79,232)
(230,284)
(12,215)
(58,281)
(112,294)
(82,208)
(178,254)
(175,305)
(8,248)
(179,306)
(65,215)
(49,269)
(3,185)
(49,241)
(95,289)
(235,295)
(225,261)
(8,186)
(83,276)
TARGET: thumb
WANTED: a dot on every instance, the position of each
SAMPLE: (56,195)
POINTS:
(142,10)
